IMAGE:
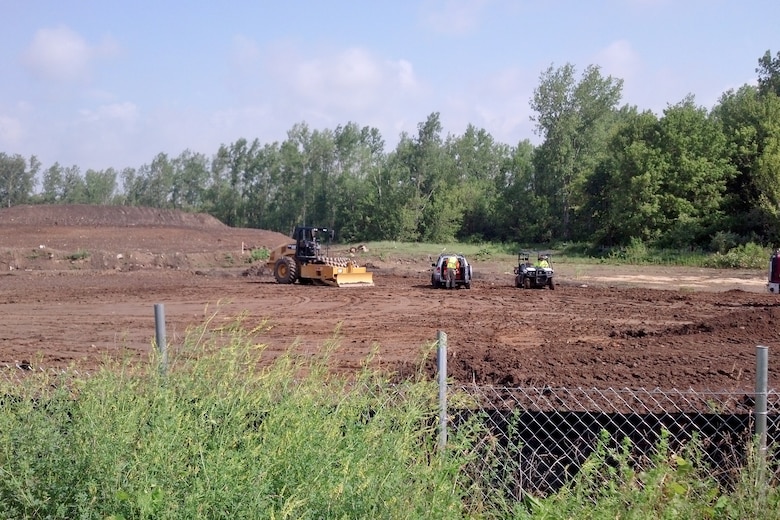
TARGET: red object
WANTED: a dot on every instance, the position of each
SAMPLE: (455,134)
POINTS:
(774,267)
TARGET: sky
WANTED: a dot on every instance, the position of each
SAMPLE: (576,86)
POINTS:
(103,84)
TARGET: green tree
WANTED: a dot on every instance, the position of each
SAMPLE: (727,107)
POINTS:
(151,185)
(321,178)
(573,117)
(17,179)
(697,173)
(261,182)
(190,180)
(99,186)
(289,201)
(133,187)
(769,74)
(359,161)
(751,123)
(477,161)
(624,194)
(433,208)
(53,184)
(662,180)
(159,185)
(229,171)
(73,187)
(524,212)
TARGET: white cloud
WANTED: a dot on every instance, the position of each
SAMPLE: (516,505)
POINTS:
(452,16)
(499,103)
(405,75)
(10,130)
(245,53)
(619,60)
(124,113)
(352,80)
(63,56)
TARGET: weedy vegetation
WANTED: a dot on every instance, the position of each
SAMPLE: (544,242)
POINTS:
(221,431)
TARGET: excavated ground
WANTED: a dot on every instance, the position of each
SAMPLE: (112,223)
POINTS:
(79,285)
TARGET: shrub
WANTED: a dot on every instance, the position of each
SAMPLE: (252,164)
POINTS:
(723,241)
(636,252)
(746,256)
(261,254)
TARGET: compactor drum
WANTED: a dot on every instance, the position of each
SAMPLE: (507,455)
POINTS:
(307,261)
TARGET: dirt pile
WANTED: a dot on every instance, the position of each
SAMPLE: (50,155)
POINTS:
(56,237)
(78,215)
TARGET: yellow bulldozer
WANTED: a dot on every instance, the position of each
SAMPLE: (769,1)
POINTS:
(307,260)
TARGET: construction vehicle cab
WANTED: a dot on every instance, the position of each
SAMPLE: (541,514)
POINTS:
(308,261)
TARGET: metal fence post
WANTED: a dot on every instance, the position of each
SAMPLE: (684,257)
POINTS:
(442,367)
(762,382)
(159,334)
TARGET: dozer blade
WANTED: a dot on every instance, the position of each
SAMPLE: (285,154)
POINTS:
(354,279)
(347,275)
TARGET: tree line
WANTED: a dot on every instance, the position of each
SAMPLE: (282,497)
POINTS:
(605,174)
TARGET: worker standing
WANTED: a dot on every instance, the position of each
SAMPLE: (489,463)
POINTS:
(452,268)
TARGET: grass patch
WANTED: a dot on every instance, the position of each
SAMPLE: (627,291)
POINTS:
(223,435)
(80,254)
(745,256)
(226,433)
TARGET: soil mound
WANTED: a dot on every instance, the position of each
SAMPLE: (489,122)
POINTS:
(84,215)
(80,236)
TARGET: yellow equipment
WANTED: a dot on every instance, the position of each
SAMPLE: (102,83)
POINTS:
(304,261)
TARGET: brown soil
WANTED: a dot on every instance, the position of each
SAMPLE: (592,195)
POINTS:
(80,284)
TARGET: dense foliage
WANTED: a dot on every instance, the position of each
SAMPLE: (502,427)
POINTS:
(604,174)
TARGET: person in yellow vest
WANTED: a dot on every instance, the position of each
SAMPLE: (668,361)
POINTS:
(542,261)
(452,271)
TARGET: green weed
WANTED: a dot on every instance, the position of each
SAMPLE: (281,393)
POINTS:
(224,433)
(81,254)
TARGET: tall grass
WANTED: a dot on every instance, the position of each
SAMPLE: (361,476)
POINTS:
(223,435)
(226,433)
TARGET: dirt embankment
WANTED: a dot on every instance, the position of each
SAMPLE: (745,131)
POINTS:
(122,238)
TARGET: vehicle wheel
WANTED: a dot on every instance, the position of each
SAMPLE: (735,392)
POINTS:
(467,285)
(433,282)
(551,284)
(285,270)
(517,282)
(526,283)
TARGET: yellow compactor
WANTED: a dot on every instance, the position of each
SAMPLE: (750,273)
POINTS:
(306,260)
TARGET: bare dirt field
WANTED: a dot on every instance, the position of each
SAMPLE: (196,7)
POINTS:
(79,284)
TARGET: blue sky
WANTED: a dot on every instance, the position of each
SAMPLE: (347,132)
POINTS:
(100,84)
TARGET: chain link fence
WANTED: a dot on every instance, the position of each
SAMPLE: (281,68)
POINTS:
(534,441)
